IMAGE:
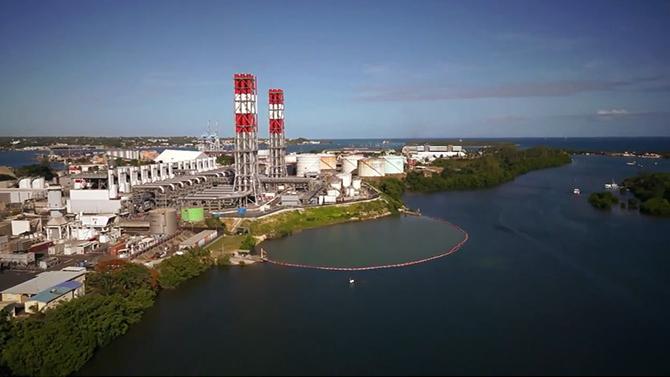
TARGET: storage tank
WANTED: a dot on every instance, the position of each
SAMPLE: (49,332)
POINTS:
(328,162)
(336,184)
(308,164)
(350,163)
(345,178)
(371,167)
(356,183)
(193,215)
(38,183)
(291,158)
(25,183)
(394,164)
(163,221)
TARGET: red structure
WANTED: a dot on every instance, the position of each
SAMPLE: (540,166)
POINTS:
(277,138)
(246,136)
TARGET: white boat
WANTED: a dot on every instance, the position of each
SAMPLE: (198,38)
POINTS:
(351,281)
(576,191)
(631,163)
(611,186)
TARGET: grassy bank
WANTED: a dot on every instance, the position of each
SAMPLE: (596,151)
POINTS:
(286,223)
(494,167)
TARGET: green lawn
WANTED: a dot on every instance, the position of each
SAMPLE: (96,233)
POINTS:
(285,223)
(229,243)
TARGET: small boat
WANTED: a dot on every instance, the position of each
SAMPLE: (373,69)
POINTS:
(351,281)
(576,191)
(632,163)
(611,186)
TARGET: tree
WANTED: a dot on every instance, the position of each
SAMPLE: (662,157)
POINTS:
(603,200)
(225,160)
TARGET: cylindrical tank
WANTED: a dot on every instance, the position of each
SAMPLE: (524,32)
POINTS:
(25,183)
(371,167)
(163,221)
(193,215)
(350,163)
(38,183)
(394,164)
(351,192)
(291,158)
(308,164)
(356,183)
(346,179)
(328,162)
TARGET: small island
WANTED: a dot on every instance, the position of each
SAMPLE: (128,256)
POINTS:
(651,191)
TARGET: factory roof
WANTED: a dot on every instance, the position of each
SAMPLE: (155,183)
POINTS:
(55,292)
(193,240)
(176,155)
(43,281)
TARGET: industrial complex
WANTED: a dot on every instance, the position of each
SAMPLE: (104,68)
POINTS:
(147,205)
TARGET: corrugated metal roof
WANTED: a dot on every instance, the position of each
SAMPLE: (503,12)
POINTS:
(43,281)
(55,292)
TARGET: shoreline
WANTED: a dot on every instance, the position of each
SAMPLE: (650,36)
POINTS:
(450,251)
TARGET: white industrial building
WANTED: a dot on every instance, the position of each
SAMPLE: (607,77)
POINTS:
(176,155)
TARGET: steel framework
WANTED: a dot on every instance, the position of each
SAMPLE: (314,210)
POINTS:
(246,134)
(277,137)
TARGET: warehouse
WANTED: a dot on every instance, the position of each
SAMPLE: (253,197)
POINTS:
(199,240)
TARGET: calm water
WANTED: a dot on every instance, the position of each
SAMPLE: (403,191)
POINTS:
(546,284)
(413,239)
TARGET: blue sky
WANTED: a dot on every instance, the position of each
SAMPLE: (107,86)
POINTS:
(349,69)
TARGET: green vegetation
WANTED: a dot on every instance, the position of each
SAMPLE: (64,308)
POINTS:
(284,224)
(603,200)
(653,192)
(36,170)
(227,243)
(6,177)
(179,268)
(123,162)
(61,340)
(496,166)
(248,243)
(225,160)
(392,190)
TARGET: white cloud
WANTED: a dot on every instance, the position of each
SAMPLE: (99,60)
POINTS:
(612,112)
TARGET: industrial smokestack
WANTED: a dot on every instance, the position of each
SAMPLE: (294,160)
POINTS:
(246,136)
(277,137)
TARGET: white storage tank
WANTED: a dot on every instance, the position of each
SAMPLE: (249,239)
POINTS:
(351,192)
(371,167)
(328,161)
(38,183)
(356,183)
(350,163)
(336,184)
(308,164)
(394,164)
(345,178)
(291,158)
(25,183)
